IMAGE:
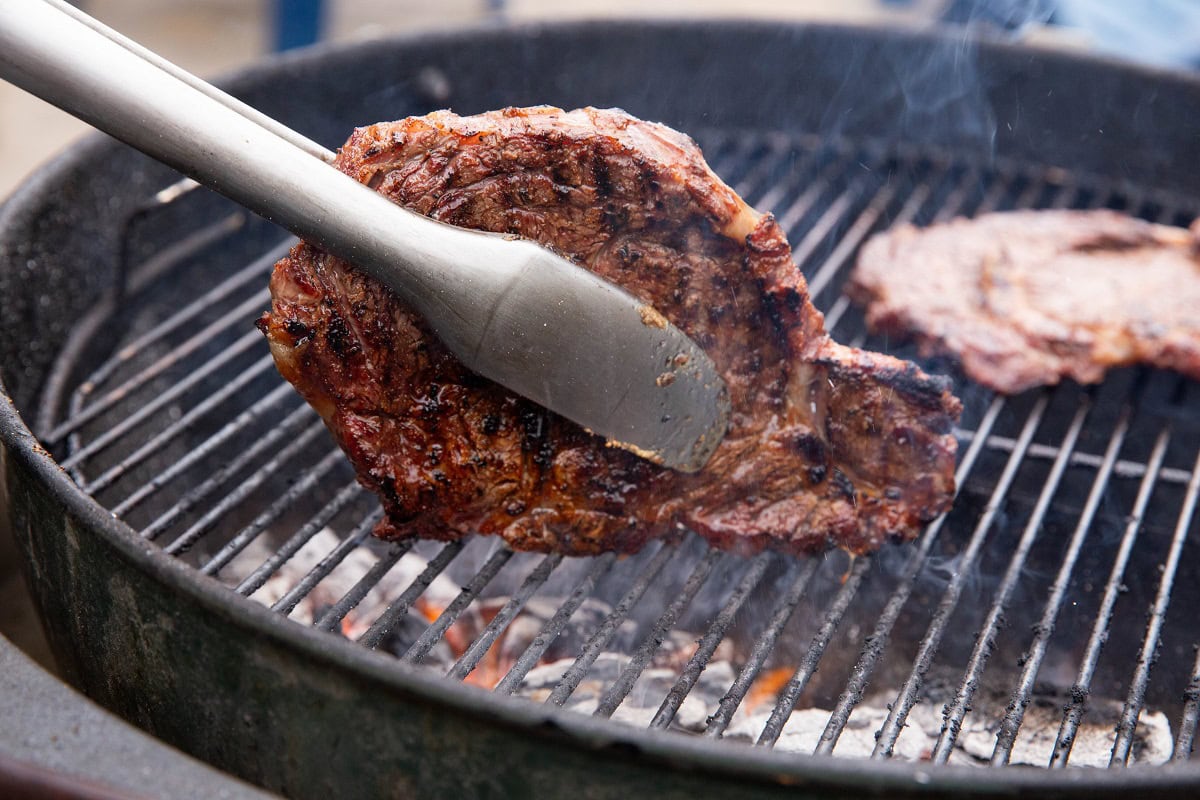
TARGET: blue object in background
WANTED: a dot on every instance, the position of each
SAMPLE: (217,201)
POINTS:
(1165,33)
(297,22)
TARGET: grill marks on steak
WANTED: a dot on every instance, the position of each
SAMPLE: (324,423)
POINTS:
(1026,298)
(826,444)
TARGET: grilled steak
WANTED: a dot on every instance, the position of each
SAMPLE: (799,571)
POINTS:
(1026,298)
(826,444)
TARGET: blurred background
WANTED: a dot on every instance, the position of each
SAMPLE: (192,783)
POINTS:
(215,37)
(211,37)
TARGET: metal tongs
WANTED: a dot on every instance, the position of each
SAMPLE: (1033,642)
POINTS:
(508,309)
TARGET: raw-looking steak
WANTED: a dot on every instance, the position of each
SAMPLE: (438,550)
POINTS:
(827,445)
(1026,298)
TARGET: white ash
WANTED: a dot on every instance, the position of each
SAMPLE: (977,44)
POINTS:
(644,699)
(1152,743)
(527,626)
(341,580)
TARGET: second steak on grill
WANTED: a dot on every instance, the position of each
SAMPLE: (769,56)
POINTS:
(827,445)
(1026,298)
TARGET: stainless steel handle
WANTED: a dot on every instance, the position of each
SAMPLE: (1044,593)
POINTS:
(509,309)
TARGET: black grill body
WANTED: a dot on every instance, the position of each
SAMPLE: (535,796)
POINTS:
(1063,576)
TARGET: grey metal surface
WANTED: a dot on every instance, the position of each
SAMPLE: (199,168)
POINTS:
(50,725)
(509,309)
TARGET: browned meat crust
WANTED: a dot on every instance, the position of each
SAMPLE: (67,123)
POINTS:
(827,444)
(1026,298)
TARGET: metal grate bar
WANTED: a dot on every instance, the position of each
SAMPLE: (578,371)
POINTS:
(820,182)
(1123,468)
(775,193)
(349,601)
(266,443)
(399,608)
(739,164)
(1107,467)
(986,641)
(908,212)
(302,487)
(603,634)
(932,639)
(1137,690)
(763,647)
(1007,735)
(183,424)
(554,625)
(786,701)
(433,634)
(204,303)
(232,498)
(836,311)
(1079,692)
(718,146)
(1000,186)
(708,644)
(536,579)
(1067,196)
(284,553)
(641,657)
(799,208)
(995,193)
(178,388)
(1186,740)
(127,281)
(761,171)
(197,454)
(823,227)
(953,204)
(860,676)
(948,209)
(1030,194)
(877,642)
(206,336)
(731,151)
(286,604)
(850,240)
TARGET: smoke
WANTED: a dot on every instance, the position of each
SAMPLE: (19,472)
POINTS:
(942,85)
(952,87)
(930,89)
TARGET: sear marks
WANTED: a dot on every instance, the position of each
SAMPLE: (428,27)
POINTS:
(827,445)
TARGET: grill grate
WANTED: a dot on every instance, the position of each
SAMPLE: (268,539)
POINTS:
(1048,586)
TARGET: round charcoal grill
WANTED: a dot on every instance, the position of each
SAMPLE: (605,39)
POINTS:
(201,552)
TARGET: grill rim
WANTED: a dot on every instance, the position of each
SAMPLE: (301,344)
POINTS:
(657,748)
